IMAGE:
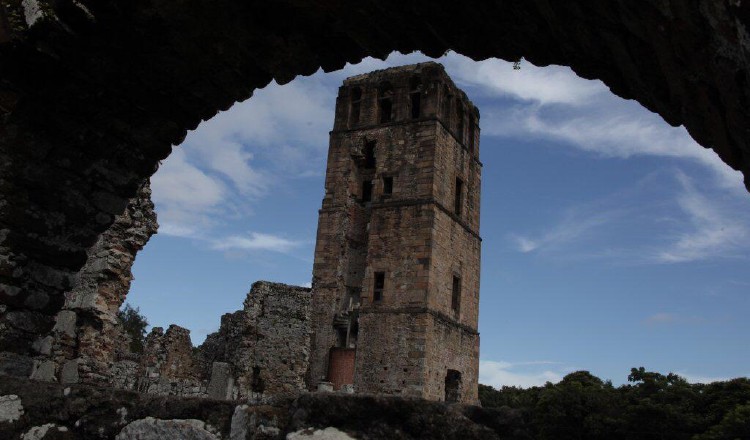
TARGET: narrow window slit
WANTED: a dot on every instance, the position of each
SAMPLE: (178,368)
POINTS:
(379,285)
(458,202)
(387,185)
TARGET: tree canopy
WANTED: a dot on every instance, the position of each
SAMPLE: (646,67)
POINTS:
(134,325)
(651,406)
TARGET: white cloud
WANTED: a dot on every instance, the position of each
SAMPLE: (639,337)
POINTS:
(238,157)
(543,85)
(183,194)
(520,374)
(711,233)
(661,318)
(256,241)
(557,104)
(578,223)
(696,378)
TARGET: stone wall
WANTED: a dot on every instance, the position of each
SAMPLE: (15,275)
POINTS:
(86,338)
(33,410)
(167,365)
(266,345)
(259,352)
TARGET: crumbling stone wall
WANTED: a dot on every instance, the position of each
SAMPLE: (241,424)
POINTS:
(52,411)
(86,338)
(259,352)
(167,365)
(266,344)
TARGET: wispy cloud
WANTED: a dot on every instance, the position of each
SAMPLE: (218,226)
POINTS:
(240,156)
(256,241)
(183,194)
(554,103)
(577,223)
(520,374)
(666,318)
(691,226)
(548,85)
(711,232)
(697,378)
(661,318)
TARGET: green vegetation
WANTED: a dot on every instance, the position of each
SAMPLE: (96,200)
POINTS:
(651,407)
(134,325)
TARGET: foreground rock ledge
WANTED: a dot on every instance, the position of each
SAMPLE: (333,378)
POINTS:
(51,411)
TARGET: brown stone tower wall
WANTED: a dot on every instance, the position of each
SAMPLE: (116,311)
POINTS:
(405,329)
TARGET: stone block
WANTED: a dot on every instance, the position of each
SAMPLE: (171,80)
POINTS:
(220,386)
(69,372)
(155,429)
(66,323)
(44,371)
(11,408)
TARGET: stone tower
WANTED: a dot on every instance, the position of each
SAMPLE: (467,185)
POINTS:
(396,272)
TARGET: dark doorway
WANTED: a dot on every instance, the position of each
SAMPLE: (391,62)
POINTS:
(452,386)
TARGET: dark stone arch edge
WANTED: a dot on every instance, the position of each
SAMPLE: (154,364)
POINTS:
(93,94)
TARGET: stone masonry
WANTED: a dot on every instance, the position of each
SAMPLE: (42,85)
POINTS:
(259,352)
(396,271)
(86,338)
(266,345)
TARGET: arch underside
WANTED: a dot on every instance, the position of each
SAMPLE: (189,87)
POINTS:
(93,94)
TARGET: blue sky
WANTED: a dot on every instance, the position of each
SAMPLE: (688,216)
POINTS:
(611,240)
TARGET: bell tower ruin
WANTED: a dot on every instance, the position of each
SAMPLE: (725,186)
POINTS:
(397,259)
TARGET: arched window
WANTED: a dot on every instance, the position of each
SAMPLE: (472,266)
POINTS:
(385,102)
(415,97)
(356,102)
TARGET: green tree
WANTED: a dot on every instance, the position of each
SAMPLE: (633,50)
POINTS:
(580,407)
(134,324)
(734,426)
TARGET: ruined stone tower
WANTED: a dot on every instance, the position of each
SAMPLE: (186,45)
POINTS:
(396,272)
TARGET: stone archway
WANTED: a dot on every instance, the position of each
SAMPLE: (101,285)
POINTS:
(94,94)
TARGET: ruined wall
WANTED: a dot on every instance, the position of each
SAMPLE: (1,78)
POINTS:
(266,345)
(259,352)
(33,410)
(86,339)
(167,365)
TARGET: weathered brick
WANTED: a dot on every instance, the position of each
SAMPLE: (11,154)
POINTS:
(404,335)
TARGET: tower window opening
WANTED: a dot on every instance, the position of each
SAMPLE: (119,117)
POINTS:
(370,155)
(386,108)
(472,133)
(367,191)
(387,185)
(378,286)
(415,95)
(446,106)
(385,102)
(456,294)
(459,121)
(416,110)
(458,197)
(356,101)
